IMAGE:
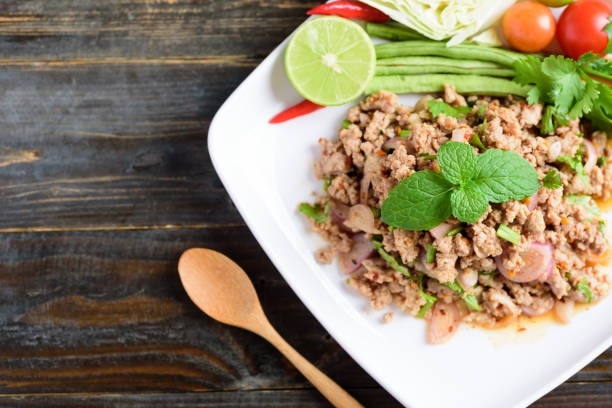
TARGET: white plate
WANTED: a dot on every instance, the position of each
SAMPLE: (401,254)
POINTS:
(268,170)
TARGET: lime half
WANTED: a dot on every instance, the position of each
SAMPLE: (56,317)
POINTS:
(330,60)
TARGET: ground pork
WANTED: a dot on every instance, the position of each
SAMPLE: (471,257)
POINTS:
(463,263)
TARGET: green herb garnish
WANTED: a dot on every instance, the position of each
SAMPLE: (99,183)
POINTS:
(508,234)
(317,212)
(585,289)
(430,253)
(438,107)
(567,89)
(389,259)
(552,180)
(427,297)
(405,133)
(464,188)
(469,299)
(575,163)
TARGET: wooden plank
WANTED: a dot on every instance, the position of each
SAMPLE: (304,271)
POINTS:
(86,314)
(81,144)
(68,31)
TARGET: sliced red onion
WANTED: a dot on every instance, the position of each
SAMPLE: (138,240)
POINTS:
(554,150)
(338,213)
(443,323)
(539,264)
(591,155)
(361,218)
(361,249)
(543,307)
(458,135)
(393,143)
(441,230)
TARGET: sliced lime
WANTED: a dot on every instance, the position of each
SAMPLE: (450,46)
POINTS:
(330,60)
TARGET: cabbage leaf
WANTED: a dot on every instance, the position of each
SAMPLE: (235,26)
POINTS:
(452,20)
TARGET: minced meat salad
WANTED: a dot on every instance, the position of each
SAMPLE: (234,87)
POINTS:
(459,210)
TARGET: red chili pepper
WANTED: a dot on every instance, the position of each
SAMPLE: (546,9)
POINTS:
(350,9)
(300,109)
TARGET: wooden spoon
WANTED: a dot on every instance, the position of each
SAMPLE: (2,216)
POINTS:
(222,290)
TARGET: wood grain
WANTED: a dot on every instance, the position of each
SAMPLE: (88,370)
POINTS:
(105,180)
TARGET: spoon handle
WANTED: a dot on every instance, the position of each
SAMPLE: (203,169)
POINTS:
(335,394)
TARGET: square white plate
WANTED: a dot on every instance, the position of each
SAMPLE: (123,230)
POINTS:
(268,170)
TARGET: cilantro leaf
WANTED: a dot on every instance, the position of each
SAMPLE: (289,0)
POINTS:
(552,180)
(568,89)
(594,64)
(468,203)
(568,86)
(529,72)
(601,113)
(584,105)
(317,212)
(504,175)
(457,162)
(419,202)
(438,107)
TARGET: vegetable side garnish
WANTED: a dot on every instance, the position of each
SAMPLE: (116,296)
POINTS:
(465,186)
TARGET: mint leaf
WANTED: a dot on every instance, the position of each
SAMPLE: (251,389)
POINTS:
(464,187)
(468,203)
(438,107)
(457,161)
(504,175)
(419,202)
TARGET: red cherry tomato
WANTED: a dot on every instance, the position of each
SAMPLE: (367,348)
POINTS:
(528,26)
(580,27)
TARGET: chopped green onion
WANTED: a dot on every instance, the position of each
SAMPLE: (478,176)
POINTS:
(428,156)
(506,233)
(427,297)
(346,123)
(454,231)
(430,253)
(583,286)
(391,261)
(469,299)
(404,133)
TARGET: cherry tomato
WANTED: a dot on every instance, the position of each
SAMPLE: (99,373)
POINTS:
(528,26)
(580,27)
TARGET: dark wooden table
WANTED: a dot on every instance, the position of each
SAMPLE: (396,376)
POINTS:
(104,111)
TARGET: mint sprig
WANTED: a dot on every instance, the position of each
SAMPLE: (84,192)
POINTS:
(463,188)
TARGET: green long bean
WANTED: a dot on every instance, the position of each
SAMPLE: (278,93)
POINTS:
(393,32)
(436,48)
(433,65)
(464,84)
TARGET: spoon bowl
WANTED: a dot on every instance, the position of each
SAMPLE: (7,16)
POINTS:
(222,290)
